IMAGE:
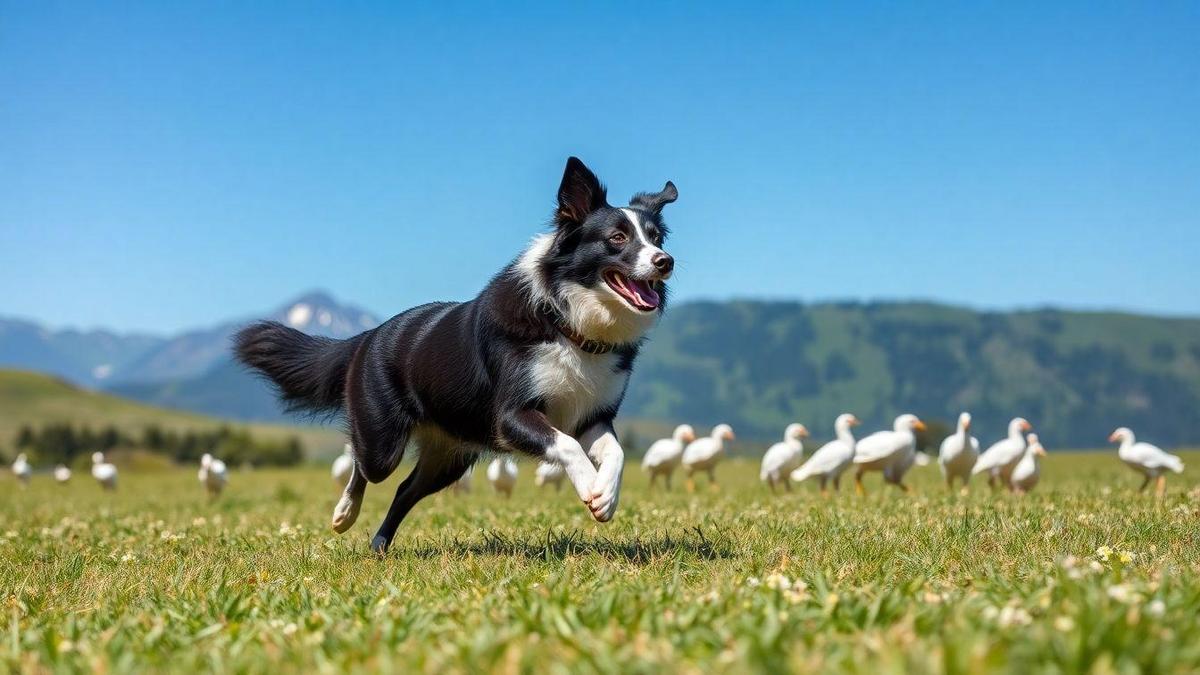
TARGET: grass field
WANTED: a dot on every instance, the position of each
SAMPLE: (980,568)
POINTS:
(1084,575)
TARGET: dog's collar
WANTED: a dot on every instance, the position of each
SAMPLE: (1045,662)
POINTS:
(588,345)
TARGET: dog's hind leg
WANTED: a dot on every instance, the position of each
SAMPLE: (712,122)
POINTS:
(436,469)
(346,511)
(371,438)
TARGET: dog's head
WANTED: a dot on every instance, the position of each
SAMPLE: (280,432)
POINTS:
(605,267)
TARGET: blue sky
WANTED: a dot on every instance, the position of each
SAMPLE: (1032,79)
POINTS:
(166,167)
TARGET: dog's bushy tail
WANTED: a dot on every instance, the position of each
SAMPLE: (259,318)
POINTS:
(308,371)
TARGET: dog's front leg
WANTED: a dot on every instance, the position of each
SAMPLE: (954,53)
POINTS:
(606,453)
(530,432)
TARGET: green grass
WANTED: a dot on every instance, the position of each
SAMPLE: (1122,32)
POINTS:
(37,399)
(155,577)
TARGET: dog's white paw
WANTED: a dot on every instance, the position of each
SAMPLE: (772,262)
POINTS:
(606,493)
(345,513)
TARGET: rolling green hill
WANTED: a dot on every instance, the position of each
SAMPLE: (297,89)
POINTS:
(1075,375)
(761,365)
(37,399)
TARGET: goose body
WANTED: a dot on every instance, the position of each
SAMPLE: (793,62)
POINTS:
(664,455)
(502,474)
(103,472)
(1026,473)
(213,475)
(342,467)
(22,469)
(703,454)
(549,473)
(1149,460)
(62,474)
(890,452)
(784,457)
(831,459)
(999,460)
(958,453)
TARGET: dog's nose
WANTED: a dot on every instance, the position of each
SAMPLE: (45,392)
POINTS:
(663,263)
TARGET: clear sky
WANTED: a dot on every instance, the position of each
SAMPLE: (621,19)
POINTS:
(166,167)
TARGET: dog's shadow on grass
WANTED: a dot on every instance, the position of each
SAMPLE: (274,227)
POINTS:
(559,545)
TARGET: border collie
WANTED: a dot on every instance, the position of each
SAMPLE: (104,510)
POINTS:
(537,363)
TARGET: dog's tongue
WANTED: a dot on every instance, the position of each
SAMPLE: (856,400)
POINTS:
(639,293)
(646,295)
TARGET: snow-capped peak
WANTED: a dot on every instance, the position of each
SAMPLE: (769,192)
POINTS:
(299,314)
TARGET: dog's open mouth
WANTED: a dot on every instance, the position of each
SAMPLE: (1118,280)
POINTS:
(638,293)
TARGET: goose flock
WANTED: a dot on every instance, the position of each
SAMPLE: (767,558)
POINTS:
(1012,462)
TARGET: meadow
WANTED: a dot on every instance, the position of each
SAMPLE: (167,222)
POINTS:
(1083,575)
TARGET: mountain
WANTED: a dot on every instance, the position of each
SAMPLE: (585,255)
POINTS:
(195,353)
(87,357)
(106,359)
(226,390)
(195,371)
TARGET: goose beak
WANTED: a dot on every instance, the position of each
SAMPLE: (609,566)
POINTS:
(1026,426)
(919,425)
(1112,438)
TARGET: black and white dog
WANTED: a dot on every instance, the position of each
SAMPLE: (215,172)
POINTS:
(537,363)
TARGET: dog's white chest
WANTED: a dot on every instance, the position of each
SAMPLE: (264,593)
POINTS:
(575,384)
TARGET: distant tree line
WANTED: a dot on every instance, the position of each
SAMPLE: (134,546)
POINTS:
(63,443)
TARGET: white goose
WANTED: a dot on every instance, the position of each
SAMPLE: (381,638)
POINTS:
(1000,459)
(502,474)
(958,453)
(103,472)
(1149,460)
(828,462)
(703,454)
(343,467)
(62,474)
(549,473)
(664,455)
(213,475)
(22,470)
(1027,472)
(890,452)
(784,457)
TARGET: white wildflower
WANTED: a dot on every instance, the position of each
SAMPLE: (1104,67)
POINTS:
(1013,616)
(1123,593)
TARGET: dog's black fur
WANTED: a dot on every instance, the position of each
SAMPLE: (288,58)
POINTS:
(460,377)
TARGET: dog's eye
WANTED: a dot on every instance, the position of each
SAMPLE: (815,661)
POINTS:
(619,238)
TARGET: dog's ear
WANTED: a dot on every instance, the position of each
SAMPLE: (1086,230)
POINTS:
(579,194)
(654,202)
